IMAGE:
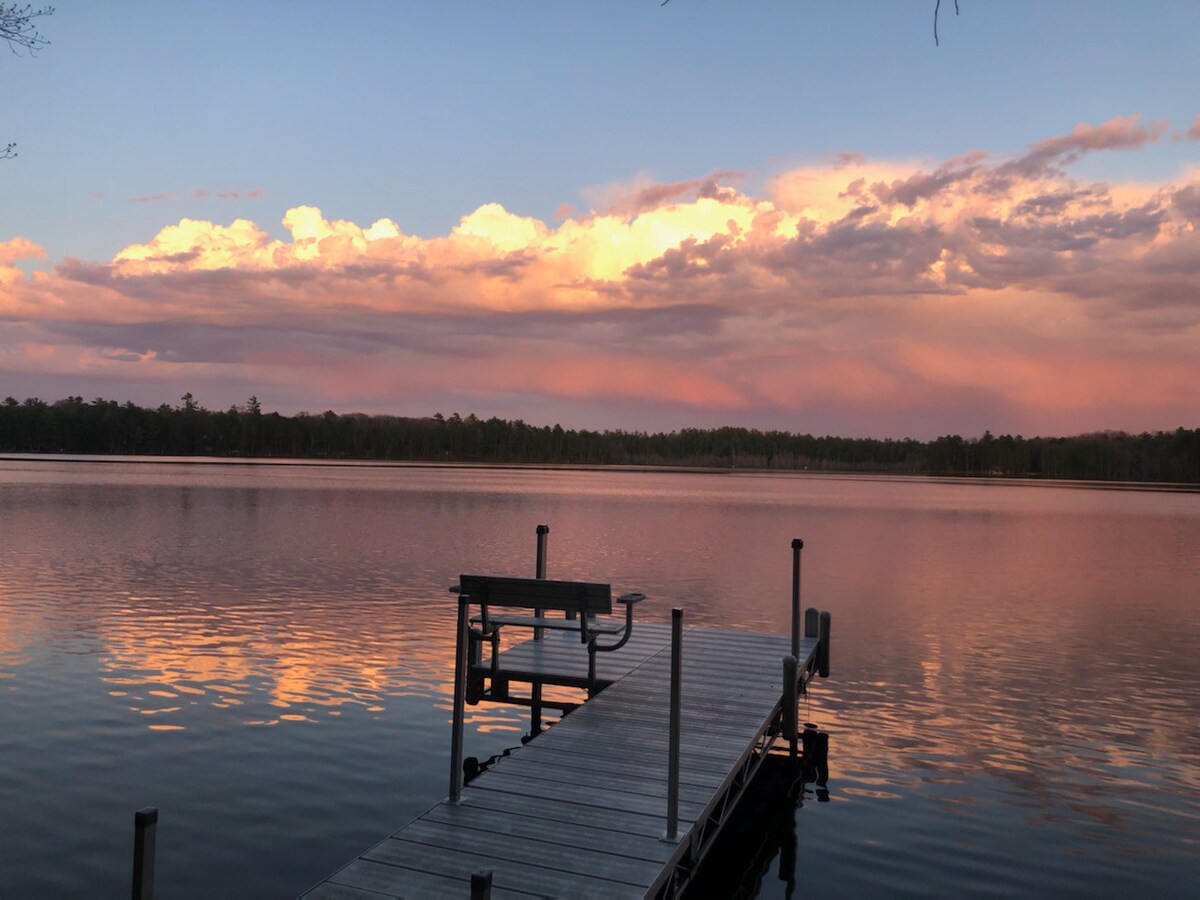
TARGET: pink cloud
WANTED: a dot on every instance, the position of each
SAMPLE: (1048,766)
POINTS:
(975,292)
(1118,133)
(20,248)
(152,198)
(200,193)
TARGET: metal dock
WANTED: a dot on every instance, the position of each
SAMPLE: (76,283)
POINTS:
(623,796)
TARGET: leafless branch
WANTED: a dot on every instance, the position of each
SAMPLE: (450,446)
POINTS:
(936,8)
(18,29)
(8,152)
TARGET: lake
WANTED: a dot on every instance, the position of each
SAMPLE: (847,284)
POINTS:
(265,653)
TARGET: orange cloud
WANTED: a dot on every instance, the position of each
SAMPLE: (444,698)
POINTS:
(871,296)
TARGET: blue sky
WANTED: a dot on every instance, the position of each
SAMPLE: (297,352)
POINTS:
(581,175)
(424,111)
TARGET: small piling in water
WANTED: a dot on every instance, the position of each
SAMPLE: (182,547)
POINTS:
(145,824)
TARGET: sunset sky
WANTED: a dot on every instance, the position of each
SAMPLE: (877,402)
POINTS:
(613,214)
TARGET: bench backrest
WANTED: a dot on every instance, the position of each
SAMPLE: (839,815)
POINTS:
(538,593)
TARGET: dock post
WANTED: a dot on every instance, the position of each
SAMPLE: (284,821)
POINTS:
(791,703)
(145,824)
(460,687)
(823,650)
(481,885)
(797,546)
(811,617)
(673,733)
(540,570)
(535,689)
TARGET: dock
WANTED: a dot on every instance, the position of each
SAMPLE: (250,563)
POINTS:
(625,794)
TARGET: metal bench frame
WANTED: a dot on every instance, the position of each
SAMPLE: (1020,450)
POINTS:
(580,601)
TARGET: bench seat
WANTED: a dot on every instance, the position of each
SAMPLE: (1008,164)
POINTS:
(597,626)
(581,602)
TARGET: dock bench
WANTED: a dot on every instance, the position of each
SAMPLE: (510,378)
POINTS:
(581,603)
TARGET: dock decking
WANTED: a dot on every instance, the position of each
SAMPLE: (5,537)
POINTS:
(580,811)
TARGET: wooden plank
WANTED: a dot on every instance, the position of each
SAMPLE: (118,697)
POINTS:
(506,874)
(632,739)
(700,763)
(584,760)
(694,722)
(534,851)
(627,783)
(365,879)
(555,831)
(624,821)
(553,790)
(696,768)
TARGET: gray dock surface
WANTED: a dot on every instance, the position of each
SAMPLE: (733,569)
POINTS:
(580,811)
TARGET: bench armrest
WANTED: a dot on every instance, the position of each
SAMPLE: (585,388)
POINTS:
(630,600)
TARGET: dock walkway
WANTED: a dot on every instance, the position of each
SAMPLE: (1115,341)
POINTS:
(580,811)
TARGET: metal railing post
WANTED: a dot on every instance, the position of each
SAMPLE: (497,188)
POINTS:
(145,824)
(791,704)
(540,570)
(460,689)
(797,546)
(535,690)
(673,733)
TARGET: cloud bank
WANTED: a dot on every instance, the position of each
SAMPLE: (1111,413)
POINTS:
(865,297)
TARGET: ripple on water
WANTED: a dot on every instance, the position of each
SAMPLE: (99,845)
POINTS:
(268,659)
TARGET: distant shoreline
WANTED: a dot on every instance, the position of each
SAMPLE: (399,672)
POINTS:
(824,474)
(108,429)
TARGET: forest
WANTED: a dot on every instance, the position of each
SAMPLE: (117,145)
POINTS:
(189,429)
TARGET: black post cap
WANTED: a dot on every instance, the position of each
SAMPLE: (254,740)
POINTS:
(147,816)
(797,544)
(543,529)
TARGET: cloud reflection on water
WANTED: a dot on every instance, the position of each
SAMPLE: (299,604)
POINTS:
(1019,661)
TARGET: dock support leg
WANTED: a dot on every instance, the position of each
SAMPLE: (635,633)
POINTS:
(791,710)
(460,677)
(797,546)
(145,824)
(673,733)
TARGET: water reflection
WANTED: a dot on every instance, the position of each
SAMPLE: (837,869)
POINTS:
(1014,667)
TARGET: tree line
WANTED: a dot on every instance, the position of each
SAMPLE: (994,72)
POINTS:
(188,429)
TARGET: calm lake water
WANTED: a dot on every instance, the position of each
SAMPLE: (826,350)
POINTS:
(264,652)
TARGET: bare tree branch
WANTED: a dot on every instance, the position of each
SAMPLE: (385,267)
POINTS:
(18,29)
(936,8)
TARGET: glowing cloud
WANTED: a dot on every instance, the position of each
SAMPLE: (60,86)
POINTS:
(854,295)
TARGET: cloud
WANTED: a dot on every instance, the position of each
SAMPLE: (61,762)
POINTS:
(253,193)
(857,295)
(152,198)
(1118,133)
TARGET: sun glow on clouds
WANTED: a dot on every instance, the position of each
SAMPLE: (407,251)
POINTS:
(854,295)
